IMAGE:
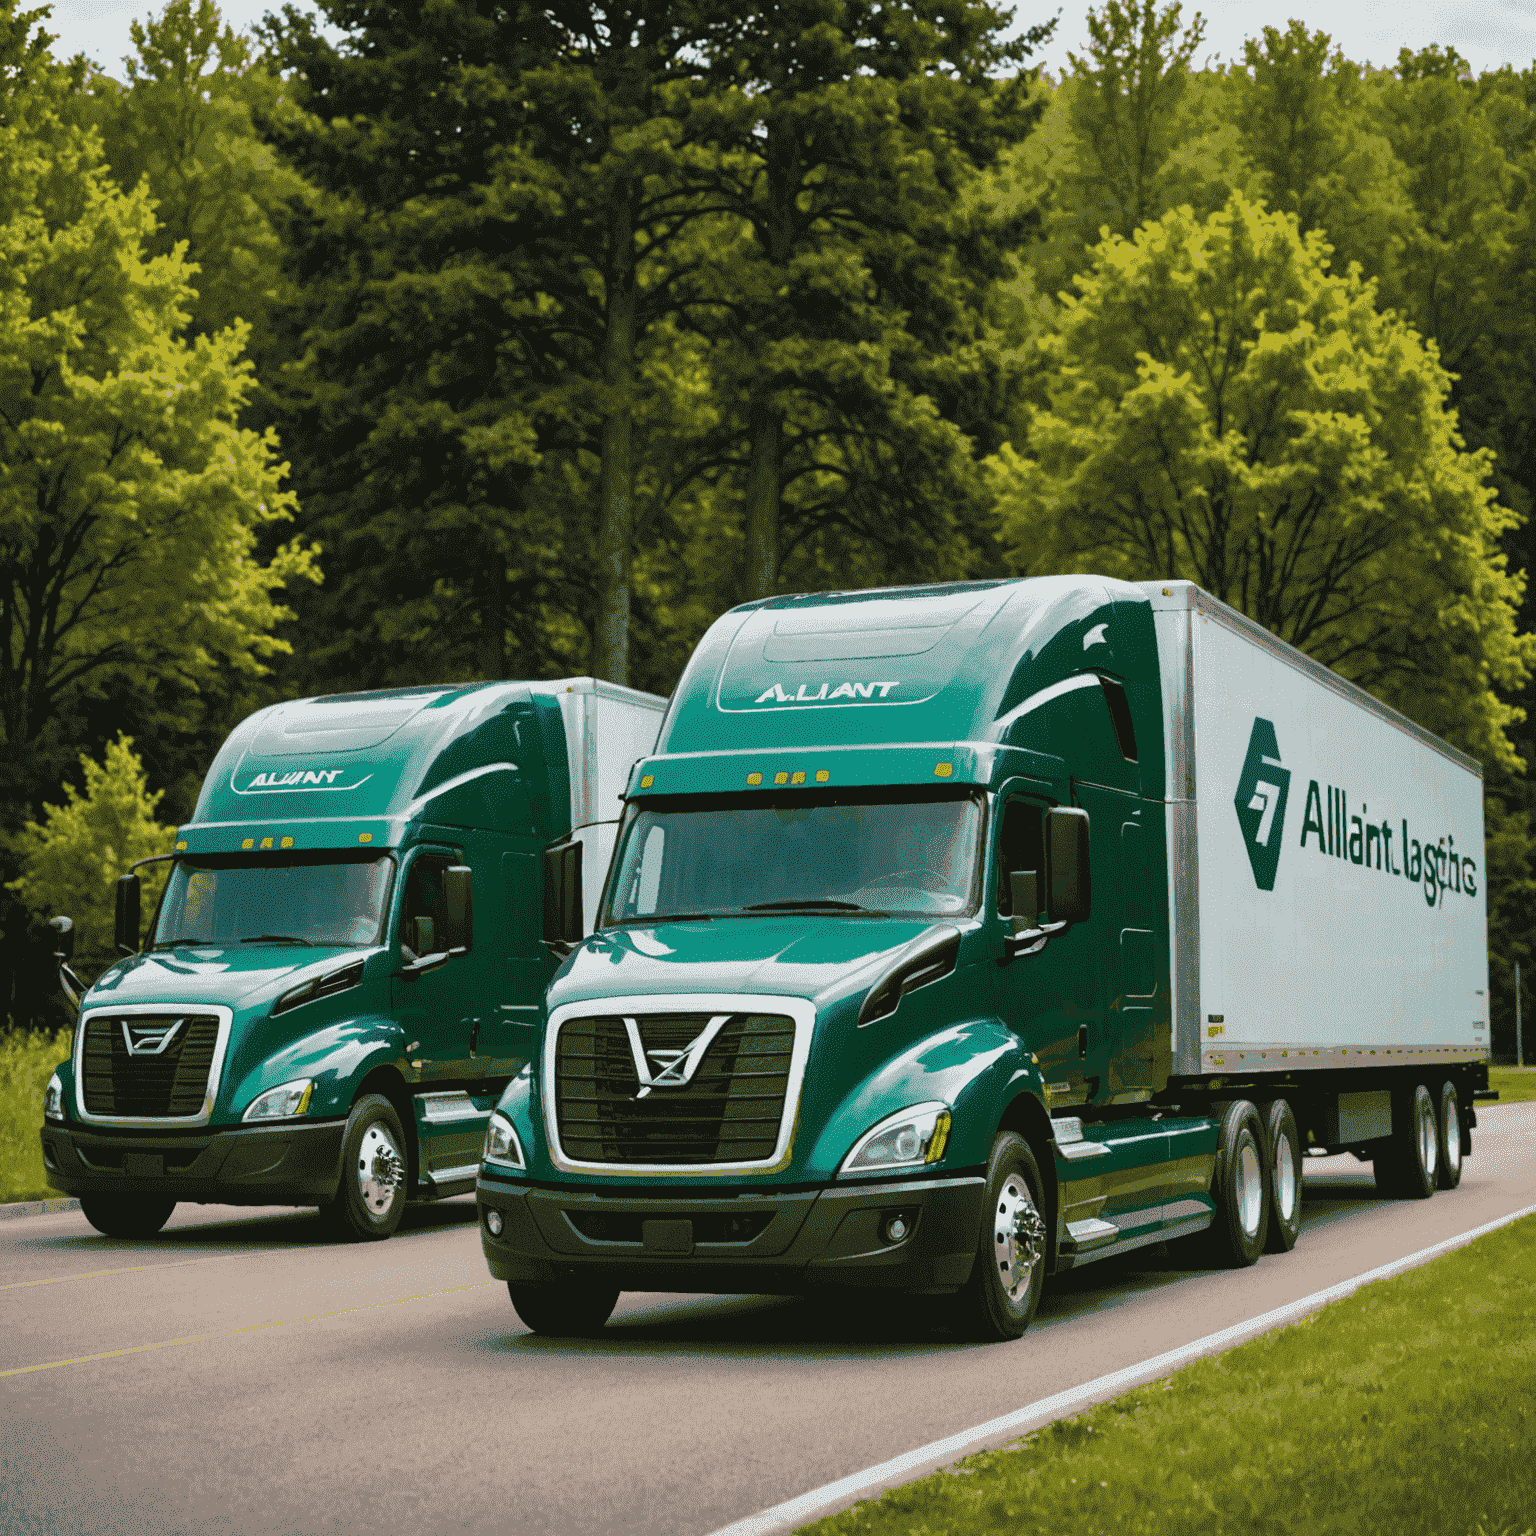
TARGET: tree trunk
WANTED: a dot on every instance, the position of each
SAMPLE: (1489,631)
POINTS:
(765,429)
(615,513)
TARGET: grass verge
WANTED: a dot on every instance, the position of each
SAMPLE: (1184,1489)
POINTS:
(27,1060)
(1516,1085)
(1409,1407)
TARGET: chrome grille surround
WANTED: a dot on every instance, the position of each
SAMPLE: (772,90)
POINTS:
(654,1006)
(128,1012)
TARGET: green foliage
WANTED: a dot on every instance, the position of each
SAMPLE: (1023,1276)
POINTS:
(27,1061)
(1223,408)
(1363,1420)
(70,861)
(130,503)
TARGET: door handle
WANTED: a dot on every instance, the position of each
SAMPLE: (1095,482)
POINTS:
(474,1037)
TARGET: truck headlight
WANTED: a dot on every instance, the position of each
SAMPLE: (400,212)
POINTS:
(285,1103)
(913,1138)
(53,1099)
(501,1143)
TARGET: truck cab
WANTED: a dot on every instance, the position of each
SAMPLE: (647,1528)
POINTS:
(346,967)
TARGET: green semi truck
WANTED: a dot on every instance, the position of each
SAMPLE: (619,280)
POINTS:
(962,935)
(346,967)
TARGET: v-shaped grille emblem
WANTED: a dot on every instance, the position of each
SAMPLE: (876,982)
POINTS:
(149,1039)
(673,1069)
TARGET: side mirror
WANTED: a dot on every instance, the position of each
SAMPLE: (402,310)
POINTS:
(126,922)
(1069,894)
(421,934)
(563,910)
(459,905)
(63,939)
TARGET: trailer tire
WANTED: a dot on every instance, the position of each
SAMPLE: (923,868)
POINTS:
(1451,1135)
(1240,1188)
(564,1311)
(1408,1166)
(370,1199)
(999,1300)
(1282,1146)
(126,1215)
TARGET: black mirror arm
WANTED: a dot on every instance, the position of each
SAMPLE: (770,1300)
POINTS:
(71,985)
(1030,941)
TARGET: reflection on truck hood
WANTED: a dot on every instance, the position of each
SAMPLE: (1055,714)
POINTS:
(211,974)
(812,957)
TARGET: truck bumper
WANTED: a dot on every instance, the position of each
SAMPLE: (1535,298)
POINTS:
(255,1165)
(786,1242)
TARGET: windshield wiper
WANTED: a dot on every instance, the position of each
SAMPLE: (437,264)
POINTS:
(177,943)
(817,904)
(278,938)
(669,917)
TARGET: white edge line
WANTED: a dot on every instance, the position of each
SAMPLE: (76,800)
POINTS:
(899,1469)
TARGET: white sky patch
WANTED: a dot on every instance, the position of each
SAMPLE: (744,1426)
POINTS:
(1488,33)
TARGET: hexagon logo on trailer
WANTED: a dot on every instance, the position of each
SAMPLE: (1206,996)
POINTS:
(1262,791)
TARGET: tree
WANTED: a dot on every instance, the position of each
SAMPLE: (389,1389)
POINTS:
(848,311)
(130,502)
(1223,408)
(70,861)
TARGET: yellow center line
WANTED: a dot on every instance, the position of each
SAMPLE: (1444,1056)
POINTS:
(230,1333)
(136,1269)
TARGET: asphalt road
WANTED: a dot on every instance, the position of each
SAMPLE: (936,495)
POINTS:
(241,1374)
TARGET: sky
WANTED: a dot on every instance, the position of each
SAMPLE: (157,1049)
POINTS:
(1488,33)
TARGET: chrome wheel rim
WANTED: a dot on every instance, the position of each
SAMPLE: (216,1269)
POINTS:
(1018,1236)
(1285,1179)
(380,1169)
(1452,1137)
(1250,1189)
(1428,1151)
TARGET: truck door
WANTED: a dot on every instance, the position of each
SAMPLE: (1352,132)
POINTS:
(1053,999)
(436,1007)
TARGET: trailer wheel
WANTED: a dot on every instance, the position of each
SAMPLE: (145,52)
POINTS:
(1282,1143)
(1000,1298)
(1451,1136)
(564,1311)
(1240,1189)
(370,1199)
(126,1216)
(1409,1165)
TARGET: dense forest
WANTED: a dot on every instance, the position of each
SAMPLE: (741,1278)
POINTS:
(511,339)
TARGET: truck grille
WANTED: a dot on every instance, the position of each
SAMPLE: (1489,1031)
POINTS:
(142,1082)
(729,1112)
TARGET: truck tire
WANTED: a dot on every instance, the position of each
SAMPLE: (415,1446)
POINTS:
(1408,1166)
(999,1299)
(370,1199)
(1451,1136)
(564,1311)
(1240,1188)
(1282,1146)
(126,1215)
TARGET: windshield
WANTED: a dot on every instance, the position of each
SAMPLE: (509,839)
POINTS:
(882,850)
(311,899)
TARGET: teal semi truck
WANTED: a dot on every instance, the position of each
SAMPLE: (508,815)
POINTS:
(346,967)
(962,935)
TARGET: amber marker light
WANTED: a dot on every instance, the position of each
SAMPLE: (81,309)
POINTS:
(797,778)
(647,780)
(943,770)
(249,842)
(822,775)
(287,842)
(754,778)
(365,837)
(181,847)
(266,842)
(781,778)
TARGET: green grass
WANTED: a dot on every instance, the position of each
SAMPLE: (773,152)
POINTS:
(26,1062)
(1516,1085)
(1409,1407)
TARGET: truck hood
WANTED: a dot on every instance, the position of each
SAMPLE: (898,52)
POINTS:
(234,976)
(817,957)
